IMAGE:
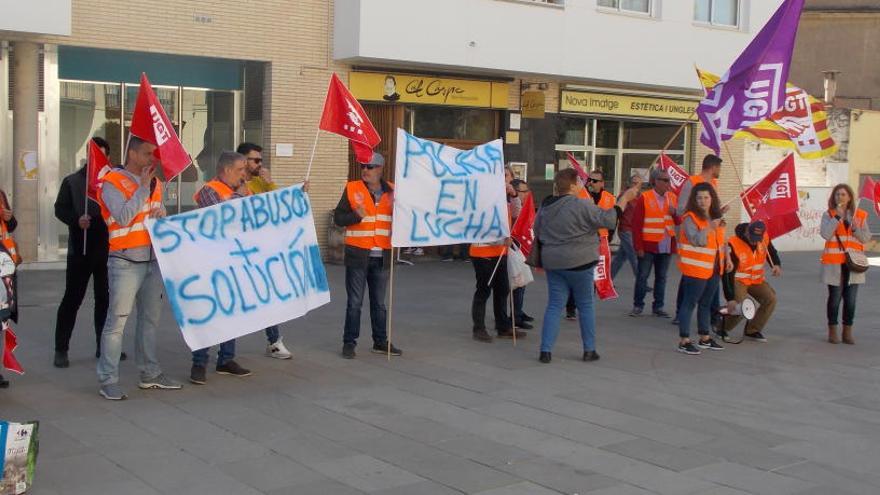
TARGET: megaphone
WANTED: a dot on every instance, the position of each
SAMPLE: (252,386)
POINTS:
(746,309)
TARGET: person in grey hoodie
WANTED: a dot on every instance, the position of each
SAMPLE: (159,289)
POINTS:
(565,229)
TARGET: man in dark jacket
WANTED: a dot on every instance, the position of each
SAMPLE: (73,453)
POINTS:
(365,211)
(70,208)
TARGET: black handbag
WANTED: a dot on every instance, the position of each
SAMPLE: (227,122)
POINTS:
(534,257)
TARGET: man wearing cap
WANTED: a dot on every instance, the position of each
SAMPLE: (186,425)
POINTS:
(365,211)
(749,250)
(653,237)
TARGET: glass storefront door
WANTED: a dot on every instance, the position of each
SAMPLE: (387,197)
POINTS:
(618,148)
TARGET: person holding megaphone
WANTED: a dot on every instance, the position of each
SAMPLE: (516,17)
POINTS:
(749,251)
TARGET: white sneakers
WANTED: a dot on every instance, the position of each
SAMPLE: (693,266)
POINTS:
(278,351)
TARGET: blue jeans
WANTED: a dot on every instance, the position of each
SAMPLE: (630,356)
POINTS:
(131,283)
(660,264)
(716,303)
(697,293)
(225,354)
(559,284)
(375,277)
(626,253)
(273,334)
(848,294)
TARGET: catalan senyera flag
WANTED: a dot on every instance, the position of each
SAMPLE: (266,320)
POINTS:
(801,125)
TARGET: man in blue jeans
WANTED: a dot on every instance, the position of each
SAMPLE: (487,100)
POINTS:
(230,177)
(365,211)
(653,229)
(129,196)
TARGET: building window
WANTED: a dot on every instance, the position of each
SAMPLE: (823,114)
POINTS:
(717,12)
(638,6)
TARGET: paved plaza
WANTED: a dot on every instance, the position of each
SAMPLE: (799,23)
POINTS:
(793,416)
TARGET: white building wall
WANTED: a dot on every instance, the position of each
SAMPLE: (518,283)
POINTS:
(36,16)
(577,41)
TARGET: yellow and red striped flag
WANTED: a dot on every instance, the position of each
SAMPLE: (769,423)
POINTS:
(801,125)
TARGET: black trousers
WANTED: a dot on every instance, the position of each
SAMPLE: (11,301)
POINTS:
(499,290)
(79,270)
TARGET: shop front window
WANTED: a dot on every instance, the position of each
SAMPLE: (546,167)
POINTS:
(620,148)
(453,124)
(573,130)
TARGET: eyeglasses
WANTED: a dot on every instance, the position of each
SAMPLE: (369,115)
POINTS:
(369,166)
(593,181)
(256,160)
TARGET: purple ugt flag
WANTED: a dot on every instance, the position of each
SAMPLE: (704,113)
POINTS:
(754,86)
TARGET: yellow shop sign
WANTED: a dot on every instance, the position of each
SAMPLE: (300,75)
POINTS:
(404,88)
(627,105)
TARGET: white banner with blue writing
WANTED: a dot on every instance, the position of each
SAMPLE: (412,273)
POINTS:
(444,195)
(240,266)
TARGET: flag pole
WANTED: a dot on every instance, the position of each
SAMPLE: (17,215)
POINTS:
(390,304)
(512,314)
(86,206)
(312,158)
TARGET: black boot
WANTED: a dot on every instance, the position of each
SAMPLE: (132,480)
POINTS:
(61,360)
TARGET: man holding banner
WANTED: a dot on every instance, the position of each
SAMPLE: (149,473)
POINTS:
(230,177)
(260,181)
(128,197)
(365,210)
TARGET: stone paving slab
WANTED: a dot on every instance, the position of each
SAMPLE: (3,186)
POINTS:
(794,416)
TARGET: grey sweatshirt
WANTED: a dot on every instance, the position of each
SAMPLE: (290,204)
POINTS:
(567,228)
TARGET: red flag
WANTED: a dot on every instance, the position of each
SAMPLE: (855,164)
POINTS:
(522,231)
(10,343)
(877,198)
(782,224)
(98,165)
(150,123)
(867,191)
(343,115)
(602,280)
(774,196)
(582,173)
(677,175)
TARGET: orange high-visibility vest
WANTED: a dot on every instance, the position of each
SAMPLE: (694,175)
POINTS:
(9,242)
(374,230)
(133,235)
(834,253)
(225,192)
(697,179)
(750,269)
(696,261)
(491,249)
(658,221)
(606,202)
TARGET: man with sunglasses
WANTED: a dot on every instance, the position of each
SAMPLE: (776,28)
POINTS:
(595,190)
(259,181)
(365,211)
(653,231)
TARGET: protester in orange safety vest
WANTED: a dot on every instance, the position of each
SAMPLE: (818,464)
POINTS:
(750,249)
(653,231)
(129,196)
(365,211)
(844,228)
(701,261)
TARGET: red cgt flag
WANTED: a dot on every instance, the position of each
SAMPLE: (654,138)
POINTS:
(602,274)
(98,165)
(877,198)
(774,199)
(10,343)
(150,123)
(522,231)
(343,115)
(582,173)
(677,175)
(867,191)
